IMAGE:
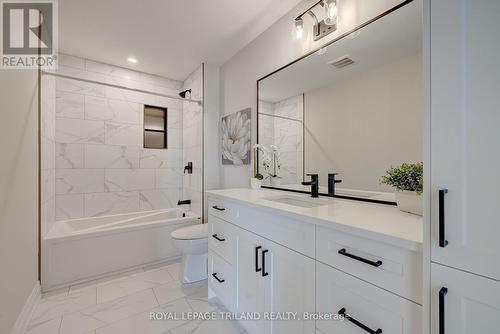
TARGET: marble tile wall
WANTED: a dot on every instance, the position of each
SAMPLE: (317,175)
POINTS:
(48,112)
(100,165)
(192,140)
(287,134)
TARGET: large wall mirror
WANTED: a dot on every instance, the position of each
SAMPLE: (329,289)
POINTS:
(353,108)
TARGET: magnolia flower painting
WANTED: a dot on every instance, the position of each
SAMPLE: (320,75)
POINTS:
(236,138)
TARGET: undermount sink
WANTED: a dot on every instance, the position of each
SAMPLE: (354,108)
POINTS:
(297,201)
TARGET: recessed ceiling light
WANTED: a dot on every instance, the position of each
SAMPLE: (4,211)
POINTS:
(132,60)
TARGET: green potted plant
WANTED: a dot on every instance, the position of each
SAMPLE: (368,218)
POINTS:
(407,180)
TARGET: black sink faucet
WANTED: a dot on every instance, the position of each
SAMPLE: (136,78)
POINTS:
(331,183)
(314,183)
(187,201)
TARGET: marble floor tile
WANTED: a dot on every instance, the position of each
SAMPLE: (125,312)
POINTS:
(133,283)
(175,290)
(54,306)
(105,314)
(209,327)
(48,327)
(142,323)
(174,270)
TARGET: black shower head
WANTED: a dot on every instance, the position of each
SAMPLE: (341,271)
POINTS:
(183,93)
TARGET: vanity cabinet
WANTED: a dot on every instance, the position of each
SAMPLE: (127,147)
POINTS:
(376,309)
(465,121)
(463,303)
(274,270)
(464,162)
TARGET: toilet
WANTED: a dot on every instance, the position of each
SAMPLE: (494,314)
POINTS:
(192,241)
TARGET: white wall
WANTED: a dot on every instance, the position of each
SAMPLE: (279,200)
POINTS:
(272,49)
(364,124)
(18,192)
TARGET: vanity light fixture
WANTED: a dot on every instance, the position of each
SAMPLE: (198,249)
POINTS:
(299,28)
(132,60)
(321,28)
(331,12)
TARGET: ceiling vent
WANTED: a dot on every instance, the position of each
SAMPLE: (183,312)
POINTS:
(341,62)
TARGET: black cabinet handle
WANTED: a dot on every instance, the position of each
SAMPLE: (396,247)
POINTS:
(264,274)
(217,238)
(257,269)
(442,240)
(342,312)
(358,258)
(217,278)
(442,294)
(217,208)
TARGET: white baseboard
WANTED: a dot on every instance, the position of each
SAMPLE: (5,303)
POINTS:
(24,317)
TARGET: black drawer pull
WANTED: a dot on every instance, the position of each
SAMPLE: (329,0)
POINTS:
(257,269)
(217,238)
(217,208)
(442,239)
(264,273)
(355,257)
(357,323)
(442,319)
(217,278)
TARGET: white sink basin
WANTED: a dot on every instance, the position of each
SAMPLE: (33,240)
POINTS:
(297,201)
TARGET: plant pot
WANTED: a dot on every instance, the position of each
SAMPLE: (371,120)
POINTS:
(409,201)
(275,181)
(255,183)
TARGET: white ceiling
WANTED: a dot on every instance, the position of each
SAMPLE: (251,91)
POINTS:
(393,37)
(168,37)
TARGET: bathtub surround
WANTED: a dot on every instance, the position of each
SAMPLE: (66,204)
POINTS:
(100,165)
(285,132)
(18,198)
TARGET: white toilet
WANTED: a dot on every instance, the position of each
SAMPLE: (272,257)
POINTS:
(192,241)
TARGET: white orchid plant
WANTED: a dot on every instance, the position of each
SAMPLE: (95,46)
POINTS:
(271,161)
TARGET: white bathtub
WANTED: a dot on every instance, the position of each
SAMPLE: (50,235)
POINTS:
(80,250)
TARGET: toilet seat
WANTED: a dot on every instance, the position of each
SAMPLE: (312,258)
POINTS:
(193,232)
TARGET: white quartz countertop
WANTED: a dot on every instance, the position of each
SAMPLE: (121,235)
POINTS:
(375,221)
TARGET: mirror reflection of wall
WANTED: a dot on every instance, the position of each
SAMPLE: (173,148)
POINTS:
(365,123)
(355,108)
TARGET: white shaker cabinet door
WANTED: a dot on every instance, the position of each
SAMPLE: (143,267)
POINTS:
(463,303)
(289,287)
(465,135)
(250,297)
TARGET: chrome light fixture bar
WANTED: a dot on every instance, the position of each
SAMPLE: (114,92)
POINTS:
(321,28)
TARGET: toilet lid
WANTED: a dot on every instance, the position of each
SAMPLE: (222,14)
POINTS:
(192,232)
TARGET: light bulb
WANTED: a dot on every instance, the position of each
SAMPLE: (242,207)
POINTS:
(331,12)
(299,28)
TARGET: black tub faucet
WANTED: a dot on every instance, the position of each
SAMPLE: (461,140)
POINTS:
(187,201)
(188,168)
(314,183)
(331,183)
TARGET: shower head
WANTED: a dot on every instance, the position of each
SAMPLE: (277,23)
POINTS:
(184,93)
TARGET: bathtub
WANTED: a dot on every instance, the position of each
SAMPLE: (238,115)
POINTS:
(79,250)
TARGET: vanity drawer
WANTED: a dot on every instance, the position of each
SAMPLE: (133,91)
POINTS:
(221,279)
(222,209)
(363,302)
(222,238)
(400,270)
